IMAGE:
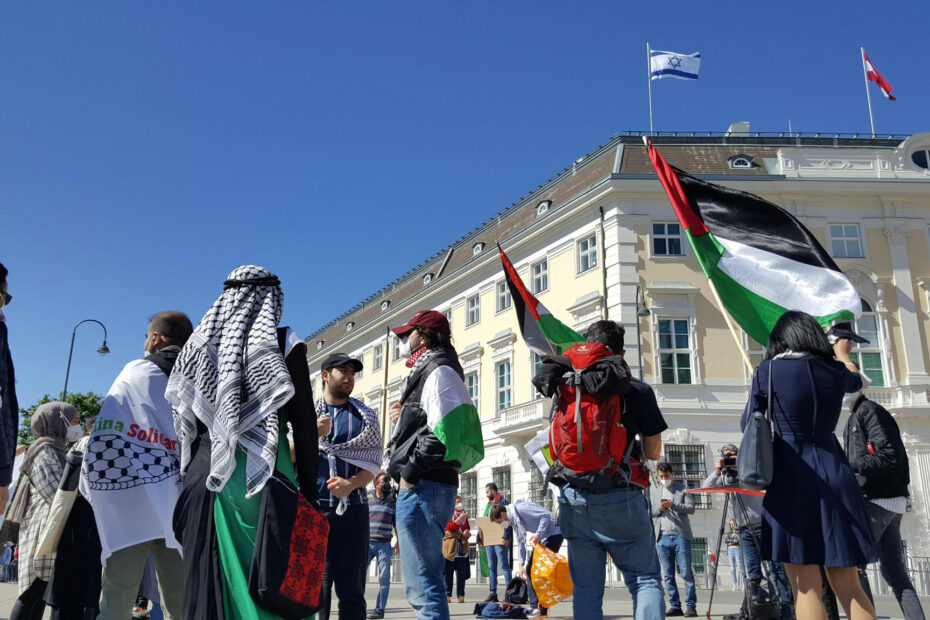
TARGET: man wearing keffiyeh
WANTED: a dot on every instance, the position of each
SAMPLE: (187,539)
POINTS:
(350,456)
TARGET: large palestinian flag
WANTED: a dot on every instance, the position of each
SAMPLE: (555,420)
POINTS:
(451,416)
(542,332)
(761,259)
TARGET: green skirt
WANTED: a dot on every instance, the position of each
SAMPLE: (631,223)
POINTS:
(236,521)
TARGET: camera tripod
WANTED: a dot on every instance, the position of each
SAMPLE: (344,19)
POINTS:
(739,509)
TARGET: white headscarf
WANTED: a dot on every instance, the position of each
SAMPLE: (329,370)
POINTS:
(231,376)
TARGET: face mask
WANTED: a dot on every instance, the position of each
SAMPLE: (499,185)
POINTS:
(74,433)
(505,524)
(459,507)
(666,482)
(404,349)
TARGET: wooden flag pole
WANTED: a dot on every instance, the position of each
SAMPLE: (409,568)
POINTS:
(726,317)
(384,390)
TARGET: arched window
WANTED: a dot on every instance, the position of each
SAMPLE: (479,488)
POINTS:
(868,356)
(385,304)
(476,249)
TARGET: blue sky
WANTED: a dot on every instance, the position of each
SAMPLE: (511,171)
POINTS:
(147,149)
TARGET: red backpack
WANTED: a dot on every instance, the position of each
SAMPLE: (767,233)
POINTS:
(587,435)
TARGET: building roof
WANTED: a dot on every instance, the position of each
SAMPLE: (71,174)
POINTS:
(701,154)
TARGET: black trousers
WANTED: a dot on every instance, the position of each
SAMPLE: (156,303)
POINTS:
(346,563)
(554,543)
(31,604)
(460,570)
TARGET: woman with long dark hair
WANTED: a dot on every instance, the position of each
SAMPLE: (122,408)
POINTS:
(813,512)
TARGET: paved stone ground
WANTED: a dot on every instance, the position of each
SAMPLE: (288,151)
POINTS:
(617,603)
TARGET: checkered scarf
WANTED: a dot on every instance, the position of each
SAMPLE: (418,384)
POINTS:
(363,450)
(231,376)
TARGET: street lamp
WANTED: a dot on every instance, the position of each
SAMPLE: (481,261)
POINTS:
(641,311)
(102,350)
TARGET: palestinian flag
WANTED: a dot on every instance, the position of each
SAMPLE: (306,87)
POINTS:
(451,416)
(543,333)
(538,449)
(761,259)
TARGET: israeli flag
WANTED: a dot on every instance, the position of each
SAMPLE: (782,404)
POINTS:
(674,65)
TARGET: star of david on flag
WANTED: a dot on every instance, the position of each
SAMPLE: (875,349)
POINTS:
(674,65)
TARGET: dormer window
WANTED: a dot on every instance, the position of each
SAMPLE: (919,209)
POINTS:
(350,325)
(385,304)
(476,249)
(543,206)
(319,344)
(427,279)
(738,162)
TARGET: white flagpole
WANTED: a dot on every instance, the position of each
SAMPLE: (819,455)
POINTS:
(649,81)
(868,96)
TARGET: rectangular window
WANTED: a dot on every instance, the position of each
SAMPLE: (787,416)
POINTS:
(537,366)
(377,358)
(504,396)
(868,356)
(699,555)
(395,349)
(540,276)
(503,296)
(448,315)
(471,382)
(688,463)
(666,239)
(468,489)
(674,351)
(358,373)
(845,241)
(587,253)
(474,310)
(756,351)
(539,491)
(501,477)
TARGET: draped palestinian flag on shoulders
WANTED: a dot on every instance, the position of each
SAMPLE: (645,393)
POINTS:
(451,416)
(761,259)
(543,333)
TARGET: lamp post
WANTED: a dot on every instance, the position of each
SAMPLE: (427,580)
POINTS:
(641,311)
(102,350)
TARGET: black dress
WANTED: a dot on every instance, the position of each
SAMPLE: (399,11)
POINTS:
(813,512)
(193,521)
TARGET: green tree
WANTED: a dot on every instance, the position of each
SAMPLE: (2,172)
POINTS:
(87,404)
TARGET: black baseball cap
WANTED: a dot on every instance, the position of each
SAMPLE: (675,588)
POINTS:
(845,330)
(340,359)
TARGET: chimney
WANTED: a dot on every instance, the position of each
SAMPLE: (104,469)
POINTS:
(739,128)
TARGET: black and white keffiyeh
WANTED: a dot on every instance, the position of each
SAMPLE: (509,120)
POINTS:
(363,450)
(231,376)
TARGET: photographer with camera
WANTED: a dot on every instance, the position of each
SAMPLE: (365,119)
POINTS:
(747,511)
(381,522)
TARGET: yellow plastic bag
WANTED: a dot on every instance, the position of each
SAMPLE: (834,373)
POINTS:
(551,579)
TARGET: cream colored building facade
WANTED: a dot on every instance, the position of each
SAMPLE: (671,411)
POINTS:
(602,232)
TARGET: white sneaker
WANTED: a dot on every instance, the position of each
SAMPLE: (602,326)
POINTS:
(533,614)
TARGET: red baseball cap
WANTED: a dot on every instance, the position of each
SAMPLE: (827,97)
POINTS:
(424,318)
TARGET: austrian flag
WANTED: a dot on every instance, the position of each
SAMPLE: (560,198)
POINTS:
(872,75)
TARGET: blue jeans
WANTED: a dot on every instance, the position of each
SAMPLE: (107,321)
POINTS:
(422,514)
(736,568)
(676,550)
(498,555)
(615,522)
(382,550)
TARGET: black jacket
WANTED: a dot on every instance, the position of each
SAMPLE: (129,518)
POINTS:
(416,452)
(884,473)
(9,410)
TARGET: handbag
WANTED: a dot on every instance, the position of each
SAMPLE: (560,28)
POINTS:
(755,461)
(286,575)
(61,507)
(551,578)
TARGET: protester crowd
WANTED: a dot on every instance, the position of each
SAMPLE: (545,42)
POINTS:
(212,461)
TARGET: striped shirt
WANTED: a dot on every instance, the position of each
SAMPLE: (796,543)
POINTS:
(380,517)
(346,423)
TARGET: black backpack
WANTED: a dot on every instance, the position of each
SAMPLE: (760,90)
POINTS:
(516,592)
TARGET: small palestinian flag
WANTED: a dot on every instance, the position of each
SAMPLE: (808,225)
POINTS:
(538,449)
(452,416)
(761,259)
(543,333)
